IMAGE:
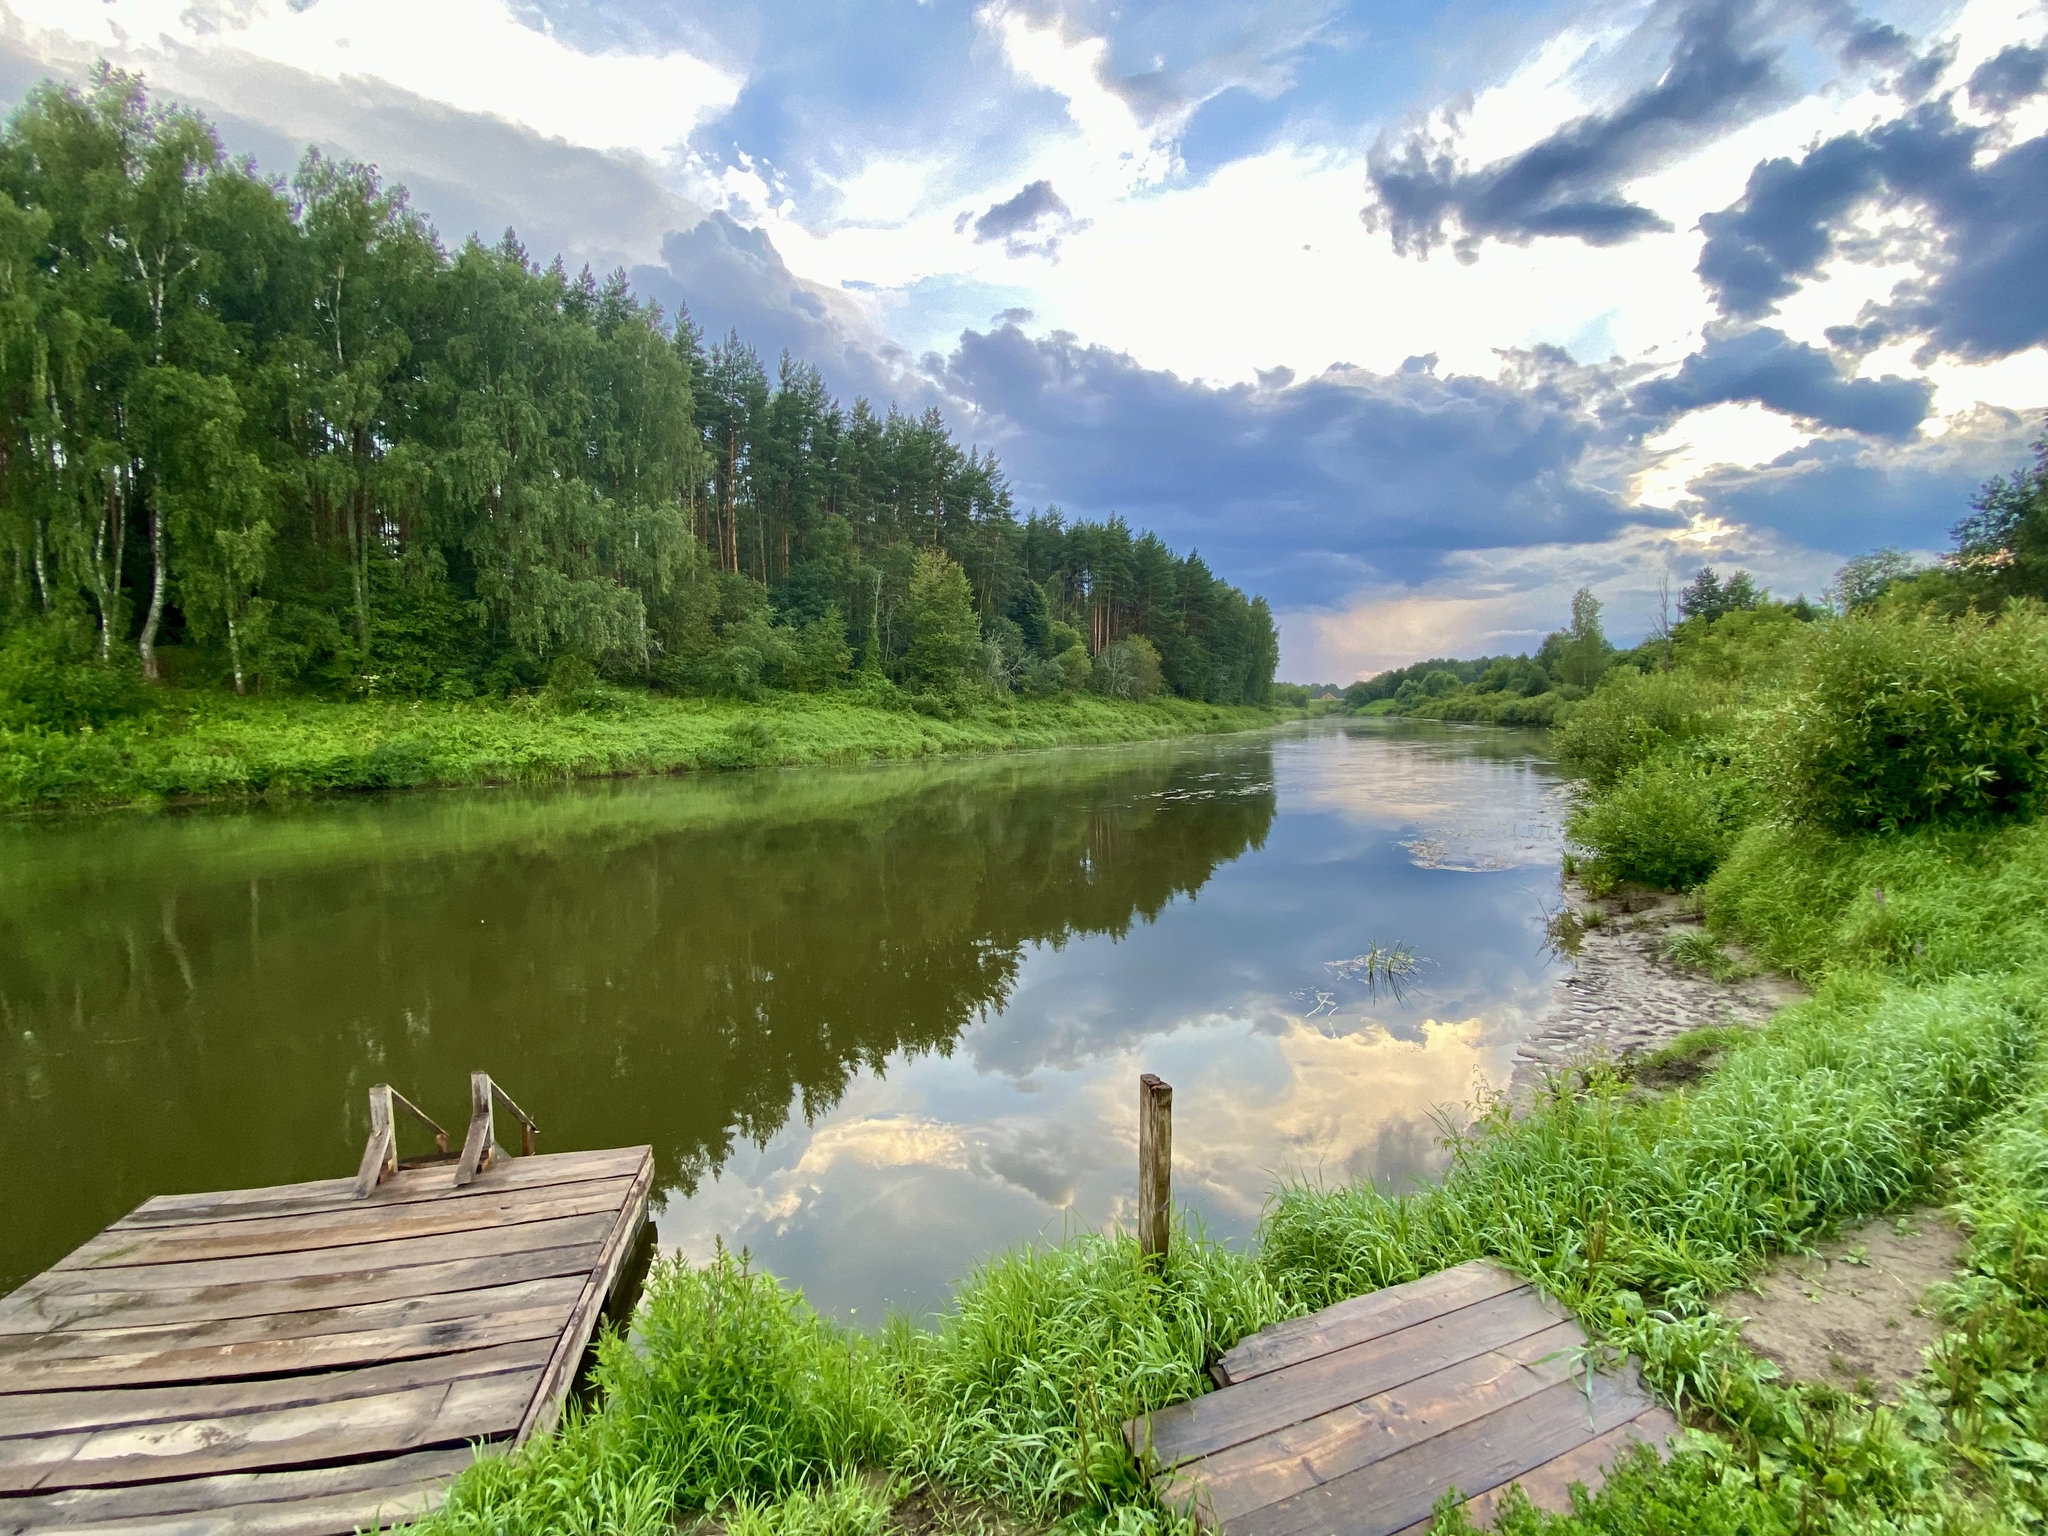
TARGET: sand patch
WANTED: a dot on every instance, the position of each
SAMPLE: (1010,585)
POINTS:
(1624,998)
(1854,1315)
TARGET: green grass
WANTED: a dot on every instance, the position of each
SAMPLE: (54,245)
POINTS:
(211,747)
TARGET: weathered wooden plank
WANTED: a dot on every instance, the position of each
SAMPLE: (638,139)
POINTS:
(17,1349)
(26,1313)
(404,1187)
(1398,1490)
(1361,1318)
(321,1263)
(1242,1478)
(25,1382)
(1312,1387)
(24,1415)
(382,1424)
(335,1515)
(1549,1486)
(328,1229)
(254,1497)
(560,1374)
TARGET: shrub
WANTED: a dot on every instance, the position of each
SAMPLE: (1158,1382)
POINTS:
(1630,717)
(50,678)
(1668,823)
(1904,719)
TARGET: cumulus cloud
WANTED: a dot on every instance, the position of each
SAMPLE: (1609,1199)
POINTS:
(1767,367)
(2008,78)
(1978,295)
(1296,488)
(1569,184)
(1849,495)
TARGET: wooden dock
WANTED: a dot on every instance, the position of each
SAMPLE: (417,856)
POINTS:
(310,1359)
(1357,1419)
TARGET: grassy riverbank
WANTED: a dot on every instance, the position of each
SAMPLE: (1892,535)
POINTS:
(1913,1075)
(207,746)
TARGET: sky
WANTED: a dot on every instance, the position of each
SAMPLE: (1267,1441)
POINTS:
(1413,318)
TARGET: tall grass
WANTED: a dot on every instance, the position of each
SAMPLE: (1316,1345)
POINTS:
(1845,1106)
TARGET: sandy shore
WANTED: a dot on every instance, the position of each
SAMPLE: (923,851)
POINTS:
(1622,997)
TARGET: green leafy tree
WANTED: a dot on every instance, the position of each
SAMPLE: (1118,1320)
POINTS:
(1584,654)
(945,635)
(2004,541)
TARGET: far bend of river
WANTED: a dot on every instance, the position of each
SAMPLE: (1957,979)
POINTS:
(878,1023)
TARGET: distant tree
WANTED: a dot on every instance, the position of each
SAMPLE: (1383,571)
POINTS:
(2004,541)
(1863,579)
(1708,597)
(1128,669)
(1584,653)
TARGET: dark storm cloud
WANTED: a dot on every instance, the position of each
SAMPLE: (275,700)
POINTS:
(1295,489)
(1768,368)
(1567,185)
(1986,227)
(2003,82)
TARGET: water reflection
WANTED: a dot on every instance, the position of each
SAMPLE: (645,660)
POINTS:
(197,1002)
(877,1023)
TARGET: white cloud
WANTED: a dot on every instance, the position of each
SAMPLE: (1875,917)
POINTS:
(473,55)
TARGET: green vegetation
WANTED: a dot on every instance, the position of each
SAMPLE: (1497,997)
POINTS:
(1915,1073)
(277,440)
(210,747)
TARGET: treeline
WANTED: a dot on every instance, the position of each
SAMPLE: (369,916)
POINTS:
(276,436)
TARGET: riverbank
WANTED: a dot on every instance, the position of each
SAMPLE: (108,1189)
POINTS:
(205,747)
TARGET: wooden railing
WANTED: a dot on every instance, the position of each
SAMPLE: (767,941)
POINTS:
(480,1149)
(380,1153)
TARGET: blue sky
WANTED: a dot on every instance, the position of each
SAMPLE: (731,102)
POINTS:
(1413,317)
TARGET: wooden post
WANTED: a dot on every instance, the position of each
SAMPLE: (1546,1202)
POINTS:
(1155,1166)
(479,1146)
(380,1152)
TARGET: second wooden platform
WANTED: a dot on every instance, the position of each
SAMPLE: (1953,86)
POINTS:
(1357,1419)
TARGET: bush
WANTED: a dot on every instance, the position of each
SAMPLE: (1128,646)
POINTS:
(1632,716)
(1904,719)
(49,677)
(1668,823)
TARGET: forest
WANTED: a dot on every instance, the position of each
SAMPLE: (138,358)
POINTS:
(277,438)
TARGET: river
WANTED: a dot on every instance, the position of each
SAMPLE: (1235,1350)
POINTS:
(876,1022)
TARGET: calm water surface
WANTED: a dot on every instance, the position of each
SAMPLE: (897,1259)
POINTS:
(876,1022)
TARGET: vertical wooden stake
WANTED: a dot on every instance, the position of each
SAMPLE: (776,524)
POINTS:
(1155,1166)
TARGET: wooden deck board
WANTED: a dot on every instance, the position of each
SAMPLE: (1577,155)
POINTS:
(299,1361)
(1358,1419)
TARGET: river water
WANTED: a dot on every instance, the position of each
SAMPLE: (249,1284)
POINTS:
(876,1022)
